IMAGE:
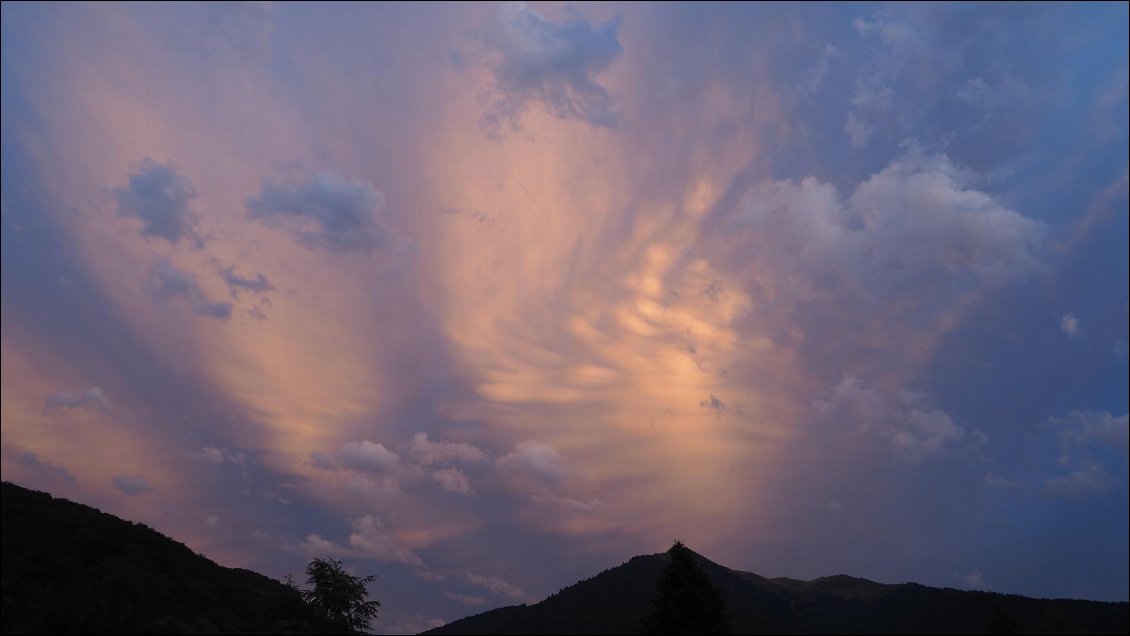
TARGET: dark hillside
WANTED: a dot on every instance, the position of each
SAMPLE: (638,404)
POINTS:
(68,568)
(617,600)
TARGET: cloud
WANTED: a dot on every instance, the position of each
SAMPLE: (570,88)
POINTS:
(453,480)
(715,404)
(537,460)
(368,456)
(1000,483)
(1081,429)
(314,546)
(131,485)
(496,585)
(431,453)
(567,504)
(367,540)
(47,471)
(552,63)
(465,598)
(257,285)
(1088,479)
(913,228)
(166,281)
(974,581)
(322,461)
(160,199)
(325,211)
(925,434)
(92,398)
(1086,441)
(914,430)
(377,492)
(215,455)
(1070,325)
(370,539)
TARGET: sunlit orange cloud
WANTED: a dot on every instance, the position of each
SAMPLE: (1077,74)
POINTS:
(304,373)
(606,343)
(95,441)
(562,264)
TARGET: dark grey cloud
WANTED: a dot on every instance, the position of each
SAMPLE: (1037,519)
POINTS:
(259,284)
(325,211)
(166,281)
(131,485)
(160,198)
(551,63)
(92,398)
(47,471)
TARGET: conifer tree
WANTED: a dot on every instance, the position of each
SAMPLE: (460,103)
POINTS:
(686,602)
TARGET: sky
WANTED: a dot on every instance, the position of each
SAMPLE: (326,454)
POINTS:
(487,298)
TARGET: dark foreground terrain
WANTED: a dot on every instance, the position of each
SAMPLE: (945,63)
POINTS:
(68,568)
(617,600)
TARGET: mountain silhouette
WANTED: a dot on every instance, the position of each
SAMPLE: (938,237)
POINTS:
(67,568)
(617,601)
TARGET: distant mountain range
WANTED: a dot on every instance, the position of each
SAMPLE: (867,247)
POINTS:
(617,600)
(66,568)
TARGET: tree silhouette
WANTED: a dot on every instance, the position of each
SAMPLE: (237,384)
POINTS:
(339,596)
(686,602)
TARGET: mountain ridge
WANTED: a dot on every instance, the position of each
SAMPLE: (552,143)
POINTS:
(616,601)
(69,568)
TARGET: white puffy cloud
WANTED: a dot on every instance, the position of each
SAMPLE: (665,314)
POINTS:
(130,485)
(1088,479)
(431,453)
(453,480)
(92,398)
(915,430)
(160,199)
(912,230)
(1080,429)
(531,459)
(925,434)
(370,539)
(167,281)
(552,63)
(368,456)
(325,211)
